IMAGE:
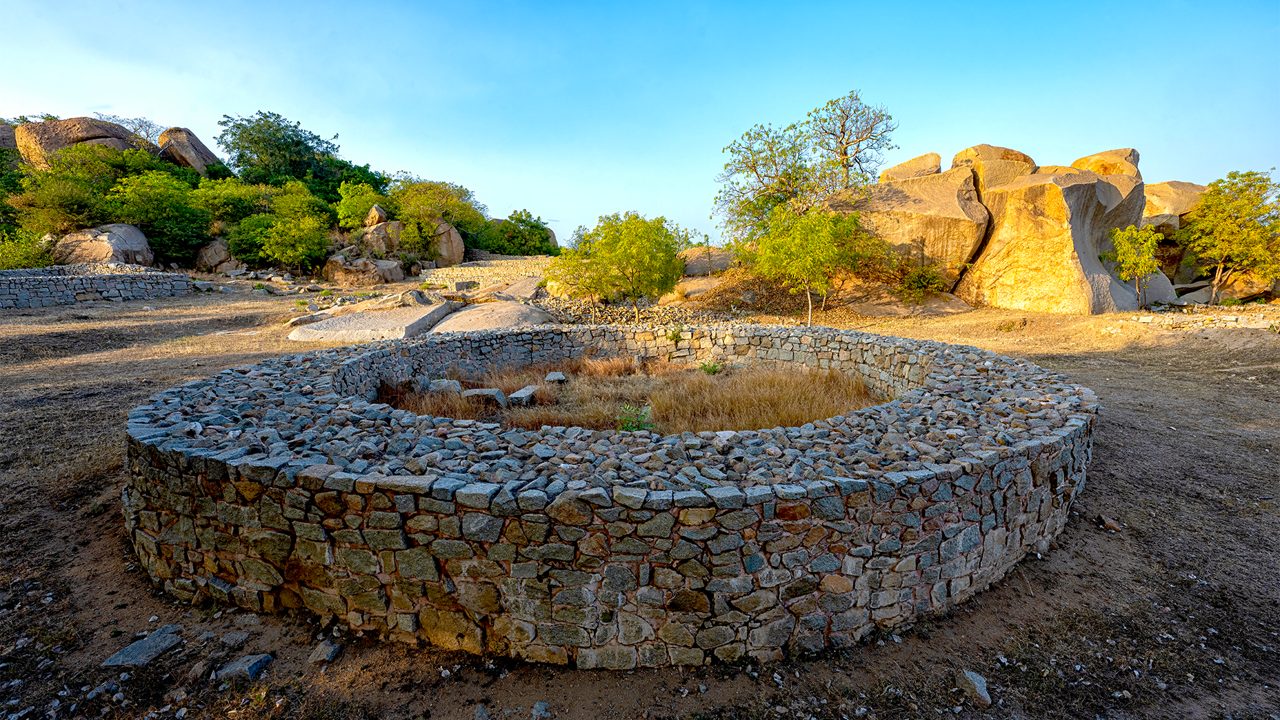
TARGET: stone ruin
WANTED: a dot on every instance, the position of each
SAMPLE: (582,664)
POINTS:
(71,284)
(285,487)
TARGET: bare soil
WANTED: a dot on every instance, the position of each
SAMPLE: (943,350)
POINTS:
(1173,615)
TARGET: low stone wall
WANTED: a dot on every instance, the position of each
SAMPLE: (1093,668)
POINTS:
(70,284)
(280,486)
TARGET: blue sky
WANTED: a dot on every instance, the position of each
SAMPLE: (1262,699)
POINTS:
(578,109)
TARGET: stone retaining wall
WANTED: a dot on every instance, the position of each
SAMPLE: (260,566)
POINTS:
(281,487)
(70,284)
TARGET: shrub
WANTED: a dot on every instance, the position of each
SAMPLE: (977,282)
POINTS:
(230,201)
(711,368)
(634,418)
(356,199)
(297,242)
(624,257)
(247,237)
(921,280)
(22,249)
(519,234)
(163,208)
(296,202)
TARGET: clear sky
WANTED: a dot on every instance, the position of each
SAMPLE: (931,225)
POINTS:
(573,110)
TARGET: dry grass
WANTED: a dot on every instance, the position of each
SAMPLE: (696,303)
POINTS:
(675,398)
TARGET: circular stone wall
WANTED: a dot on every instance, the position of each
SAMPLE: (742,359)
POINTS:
(281,486)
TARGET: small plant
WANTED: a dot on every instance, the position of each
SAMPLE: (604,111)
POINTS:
(326,292)
(634,418)
(1231,302)
(920,281)
(676,334)
(711,368)
(300,303)
(259,286)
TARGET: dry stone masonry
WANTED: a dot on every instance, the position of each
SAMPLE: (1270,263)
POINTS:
(70,284)
(285,486)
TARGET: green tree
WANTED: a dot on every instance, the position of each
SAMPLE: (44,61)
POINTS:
(1236,228)
(355,201)
(22,249)
(271,149)
(838,146)
(422,205)
(519,234)
(229,201)
(297,242)
(1134,256)
(806,251)
(245,240)
(163,208)
(624,257)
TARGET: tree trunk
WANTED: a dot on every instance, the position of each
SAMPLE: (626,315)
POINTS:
(809,296)
(1213,292)
(635,307)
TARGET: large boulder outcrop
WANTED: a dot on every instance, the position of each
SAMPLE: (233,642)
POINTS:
(109,243)
(938,214)
(1122,161)
(993,165)
(927,164)
(216,257)
(382,238)
(180,146)
(375,216)
(1169,203)
(493,316)
(38,141)
(1042,251)
(7,139)
(448,246)
(361,272)
(706,260)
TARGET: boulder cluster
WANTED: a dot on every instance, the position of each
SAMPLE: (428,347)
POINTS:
(1007,232)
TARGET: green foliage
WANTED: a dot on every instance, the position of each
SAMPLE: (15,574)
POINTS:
(162,207)
(423,204)
(1236,228)
(635,418)
(838,146)
(519,234)
(297,242)
(1134,256)
(921,280)
(229,201)
(355,201)
(270,149)
(805,252)
(72,193)
(624,257)
(245,240)
(10,185)
(295,202)
(711,368)
(675,334)
(22,249)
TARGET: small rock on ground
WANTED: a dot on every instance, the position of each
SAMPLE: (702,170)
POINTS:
(974,686)
(142,652)
(249,667)
(541,711)
(327,651)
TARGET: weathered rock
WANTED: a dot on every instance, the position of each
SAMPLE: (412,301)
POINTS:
(492,396)
(375,216)
(938,214)
(1121,161)
(493,316)
(523,396)
(1164,224)
(690,289)
(325,652)
(447,245)
(362,271)
(993,165)
(1174,198)
(974,687)
(216,257)
(38,141)
(180,146)
(7,139)
(142,652)
(249,667)
(109,243)
(927,164)
(1042,251)
(706,260)
(390,324)
(524,289)
(1246,286)
(382,238)
(1158,289)
(1057,170)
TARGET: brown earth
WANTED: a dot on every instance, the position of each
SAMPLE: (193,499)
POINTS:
(1173,615)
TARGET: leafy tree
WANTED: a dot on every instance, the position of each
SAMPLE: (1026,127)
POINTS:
(806,251)
(246,238)
(295,233)
(297,242)
(837,146)
(72,192)
(624,257)
(519,234)
(229,201)
(270,149)
(1134,256)
(163,208)
(355,201)
(1236,228)
(22,249)
(295,202)
(422,205)
(10,185)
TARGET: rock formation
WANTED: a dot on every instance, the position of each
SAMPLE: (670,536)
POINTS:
(1122,161)
(7,139)
(449,249)
(38,141)
(993,165)
(180,146)
(706,260)
(375,216)
(361,272)
(493,316)
(382,239)
(109,243)
(1042,252)
(927,164)
(216,257)
(938,214)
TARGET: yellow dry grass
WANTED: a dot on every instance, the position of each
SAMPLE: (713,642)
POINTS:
(679,398)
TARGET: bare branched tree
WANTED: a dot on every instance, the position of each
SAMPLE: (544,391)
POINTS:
(853,136)
(144,131)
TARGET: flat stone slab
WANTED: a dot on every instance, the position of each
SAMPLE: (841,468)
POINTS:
(494,316)
(249,667)
(142,652)
(393,324)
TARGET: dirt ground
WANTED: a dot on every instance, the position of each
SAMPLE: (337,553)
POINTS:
(1173,615)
